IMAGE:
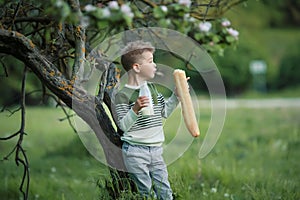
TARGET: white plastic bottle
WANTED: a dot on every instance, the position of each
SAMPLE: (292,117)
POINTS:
(144,91)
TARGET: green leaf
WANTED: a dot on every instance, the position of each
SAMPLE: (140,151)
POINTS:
(177,7)
(230,39)
(158,12)
(65,10)
(128,20)
(116,16)
(138,14)
(215,38)
(198,36)
(164,23)
(102,24)
(97,13)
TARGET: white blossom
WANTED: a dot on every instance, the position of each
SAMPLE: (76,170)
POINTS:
(113,5)
(53,169)
(186,16)
(90,8)
(106,12)
(233,32)
(164,8)
(205,26)
(192,19)
(213,190)
(226,23)
(185,2)
(126,10)
(59,3)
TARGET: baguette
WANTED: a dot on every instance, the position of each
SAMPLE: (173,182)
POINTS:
(186,102)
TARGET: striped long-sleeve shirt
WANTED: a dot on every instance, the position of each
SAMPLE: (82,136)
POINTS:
(138,129)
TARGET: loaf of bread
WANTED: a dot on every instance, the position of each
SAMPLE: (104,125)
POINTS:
(186,102)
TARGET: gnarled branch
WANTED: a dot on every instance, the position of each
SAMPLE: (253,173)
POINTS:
(85,105)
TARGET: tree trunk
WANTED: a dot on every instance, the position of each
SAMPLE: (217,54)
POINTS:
(86,106)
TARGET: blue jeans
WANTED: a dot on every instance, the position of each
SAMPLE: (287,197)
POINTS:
(146,167)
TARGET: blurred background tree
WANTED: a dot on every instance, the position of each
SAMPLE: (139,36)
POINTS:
(269,31)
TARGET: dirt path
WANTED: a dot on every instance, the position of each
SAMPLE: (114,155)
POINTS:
(256,103)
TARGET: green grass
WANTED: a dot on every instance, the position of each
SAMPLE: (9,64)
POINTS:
(256,157)
(60,167)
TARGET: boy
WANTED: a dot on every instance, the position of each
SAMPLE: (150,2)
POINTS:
(143,135)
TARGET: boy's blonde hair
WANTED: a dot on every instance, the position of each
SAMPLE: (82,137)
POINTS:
(132,53)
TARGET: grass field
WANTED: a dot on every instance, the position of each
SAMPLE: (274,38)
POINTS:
(256,157)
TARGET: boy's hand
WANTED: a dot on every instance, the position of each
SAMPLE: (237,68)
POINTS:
(176,92)
(141,102)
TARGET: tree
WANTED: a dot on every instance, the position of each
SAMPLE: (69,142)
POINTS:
(53,40)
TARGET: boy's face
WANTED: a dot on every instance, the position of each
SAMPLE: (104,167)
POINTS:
(146,66)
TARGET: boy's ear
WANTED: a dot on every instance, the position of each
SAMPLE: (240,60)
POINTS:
(136,67)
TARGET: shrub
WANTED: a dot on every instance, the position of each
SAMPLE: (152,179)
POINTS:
(234,69)
(289,71)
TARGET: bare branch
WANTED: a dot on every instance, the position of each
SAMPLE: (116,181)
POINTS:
(80,38)
(26,176)
(68,116)
(20,154)
(19,145)
(11,152)
(15,14)
(10,136)
(35,31)
(227,7)
(44,20)
(18,98)
(207,8)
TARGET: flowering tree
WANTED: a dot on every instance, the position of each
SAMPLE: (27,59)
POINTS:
(53,39)
(193,19)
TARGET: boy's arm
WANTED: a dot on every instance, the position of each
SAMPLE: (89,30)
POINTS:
(126,120)
(127,114)
(170,105)
(126,117)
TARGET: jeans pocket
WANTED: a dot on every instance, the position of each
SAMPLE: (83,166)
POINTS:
(134,150)
(157,151)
